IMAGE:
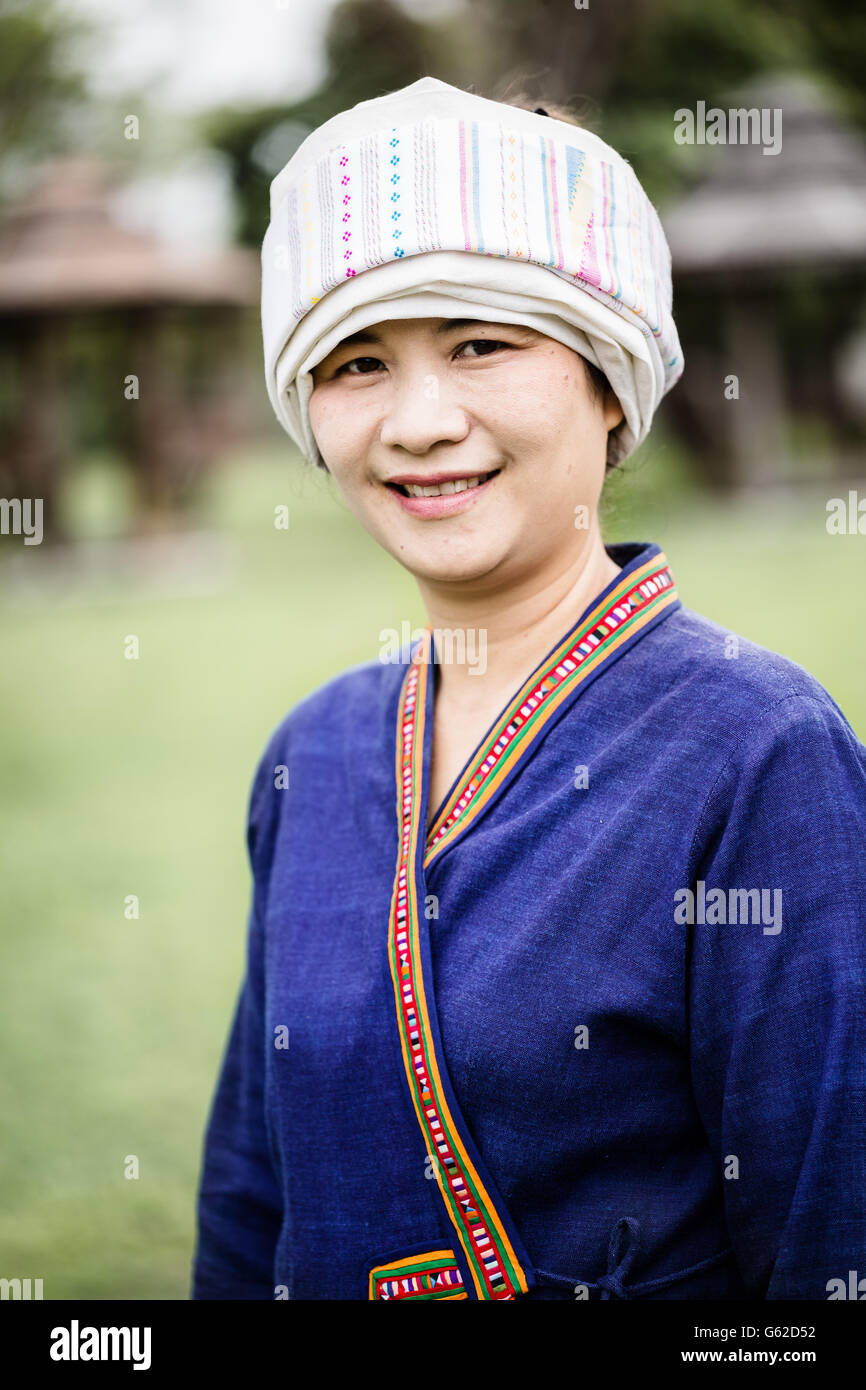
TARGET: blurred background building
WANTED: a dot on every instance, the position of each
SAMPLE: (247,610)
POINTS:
(105,332)
(769,254)
(195,580)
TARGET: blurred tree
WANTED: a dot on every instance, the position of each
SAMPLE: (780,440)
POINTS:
(624,65)
(371,47)
(39,80)
(627,65)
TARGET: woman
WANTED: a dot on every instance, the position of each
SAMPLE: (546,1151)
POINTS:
(556,954)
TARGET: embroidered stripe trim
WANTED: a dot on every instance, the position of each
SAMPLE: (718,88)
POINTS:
(434,1275)
(496,1271)
(631,605)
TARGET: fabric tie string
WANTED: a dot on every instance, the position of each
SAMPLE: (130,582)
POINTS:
(620,1261)
(622,1250)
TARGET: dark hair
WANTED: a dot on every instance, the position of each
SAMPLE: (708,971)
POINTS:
(598,382)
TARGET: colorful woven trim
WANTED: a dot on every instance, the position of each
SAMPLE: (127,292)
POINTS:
(624,611)
(433,1275)
(495,1269)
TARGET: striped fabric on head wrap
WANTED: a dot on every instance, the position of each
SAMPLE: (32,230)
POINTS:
(432,202)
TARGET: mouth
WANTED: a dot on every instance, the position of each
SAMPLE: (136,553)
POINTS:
(439,486)
(432,497)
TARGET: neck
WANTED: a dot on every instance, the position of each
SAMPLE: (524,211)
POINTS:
(514,629)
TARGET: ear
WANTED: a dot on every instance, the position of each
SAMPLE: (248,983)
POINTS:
(613,412)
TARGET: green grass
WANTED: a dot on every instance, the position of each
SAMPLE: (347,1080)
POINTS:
(131,777)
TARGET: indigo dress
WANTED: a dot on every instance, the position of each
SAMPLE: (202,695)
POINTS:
(598,1033)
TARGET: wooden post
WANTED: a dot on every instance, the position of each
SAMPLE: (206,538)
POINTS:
(757,432)
(38,449)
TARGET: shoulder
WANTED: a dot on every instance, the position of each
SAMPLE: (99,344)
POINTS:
(751,717)
(740,691)
(346,717)
(776,773)
(353,702)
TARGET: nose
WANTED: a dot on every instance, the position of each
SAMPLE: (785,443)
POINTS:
(421,410)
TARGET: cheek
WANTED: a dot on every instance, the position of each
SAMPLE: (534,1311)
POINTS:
(337,429)
(542,406)
(321,414)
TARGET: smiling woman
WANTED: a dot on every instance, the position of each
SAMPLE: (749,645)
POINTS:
(485,1047)
(437,424)
(440,426)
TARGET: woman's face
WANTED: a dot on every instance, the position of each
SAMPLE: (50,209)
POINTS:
(498,416)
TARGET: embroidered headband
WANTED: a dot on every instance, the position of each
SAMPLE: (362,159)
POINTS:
(432,202)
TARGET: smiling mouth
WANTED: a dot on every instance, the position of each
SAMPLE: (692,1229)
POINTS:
(444,489)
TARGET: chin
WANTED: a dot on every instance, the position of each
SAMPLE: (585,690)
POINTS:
(464,569)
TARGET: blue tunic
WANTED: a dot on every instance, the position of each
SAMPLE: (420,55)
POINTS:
(600,1032)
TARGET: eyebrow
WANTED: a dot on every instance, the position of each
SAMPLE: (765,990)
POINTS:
(462,323)
(366,335)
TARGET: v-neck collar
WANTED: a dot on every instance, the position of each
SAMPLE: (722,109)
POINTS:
(643,590)
(487,1251)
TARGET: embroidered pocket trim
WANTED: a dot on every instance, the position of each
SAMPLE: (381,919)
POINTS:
(416,1278)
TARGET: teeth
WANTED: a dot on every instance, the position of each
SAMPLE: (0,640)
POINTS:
(443,489)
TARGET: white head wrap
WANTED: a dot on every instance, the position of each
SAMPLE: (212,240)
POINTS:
(432,202)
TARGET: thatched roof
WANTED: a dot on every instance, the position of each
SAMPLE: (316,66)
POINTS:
(758,213)
(62,249)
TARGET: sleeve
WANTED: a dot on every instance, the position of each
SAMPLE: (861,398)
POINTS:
(239,1203)
(777,999)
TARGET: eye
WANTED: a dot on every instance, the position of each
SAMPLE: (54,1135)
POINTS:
(493,343)
(353,363)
